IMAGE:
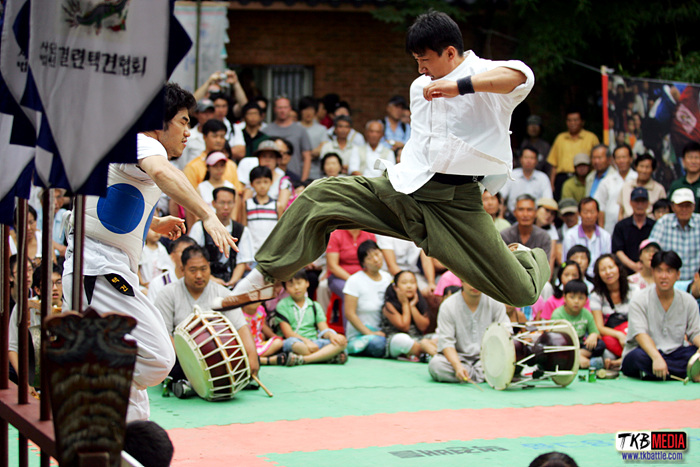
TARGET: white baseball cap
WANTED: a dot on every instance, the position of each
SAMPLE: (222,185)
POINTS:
(683,195)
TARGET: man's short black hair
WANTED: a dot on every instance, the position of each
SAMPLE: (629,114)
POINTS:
(645,157)
(251,105)
(260,172)
(575,286)
(587,200)
(578,249)
(623,146)
(212,126)
(184,239)
(663,203)
(693,146)
(220,95)
(148,443)
(194,251)
(306,102)
(575,109)
(364,249)
(176,99)
(435,31)
(36,276)
(529,147)
(224,189)
(670,258)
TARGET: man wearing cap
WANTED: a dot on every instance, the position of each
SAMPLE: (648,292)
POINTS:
(396,132)
(203,112)
(680,231)
(691,164)
(575,187)
(534,139)
(568,210)
(600,162)
(526,180)
(285,127)
(631,231)
(574,141)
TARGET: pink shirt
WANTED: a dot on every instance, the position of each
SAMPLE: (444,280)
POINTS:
(341,242)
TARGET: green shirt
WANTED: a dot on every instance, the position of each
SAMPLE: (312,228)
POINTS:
(573,188)
(302,320)
(683,183)
(584,324)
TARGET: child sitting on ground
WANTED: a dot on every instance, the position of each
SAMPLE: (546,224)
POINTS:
(155,260)
(405,319)
(267,343)
(575,296)
(462,322)
(307,337)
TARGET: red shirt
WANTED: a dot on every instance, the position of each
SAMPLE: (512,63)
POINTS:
(341,242)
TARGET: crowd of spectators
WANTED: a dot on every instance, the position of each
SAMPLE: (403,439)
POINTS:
(610,229)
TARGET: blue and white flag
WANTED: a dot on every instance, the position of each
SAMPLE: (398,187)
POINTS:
(17,133)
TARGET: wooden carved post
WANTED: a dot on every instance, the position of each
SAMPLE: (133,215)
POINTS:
(90,366)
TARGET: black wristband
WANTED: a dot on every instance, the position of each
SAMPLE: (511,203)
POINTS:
(465,86)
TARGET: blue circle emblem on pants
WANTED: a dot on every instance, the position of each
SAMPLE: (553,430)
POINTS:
(121,210)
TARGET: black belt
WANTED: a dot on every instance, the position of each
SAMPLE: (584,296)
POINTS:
(450,179)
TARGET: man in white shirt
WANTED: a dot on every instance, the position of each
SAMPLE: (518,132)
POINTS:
(526,180)
(364,157)
(609,188)
(115,226)
(461,108)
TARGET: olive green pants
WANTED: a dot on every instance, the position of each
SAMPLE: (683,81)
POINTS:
(448,222)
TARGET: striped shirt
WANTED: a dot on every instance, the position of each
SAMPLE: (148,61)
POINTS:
(262,218)
(685,241)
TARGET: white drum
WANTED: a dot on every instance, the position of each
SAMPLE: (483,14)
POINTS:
(539,351)
(211,355)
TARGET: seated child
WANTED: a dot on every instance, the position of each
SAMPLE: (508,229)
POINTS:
(568,271)
(405,318)
(267,343)
(575,296)
(307,337)
(462,322)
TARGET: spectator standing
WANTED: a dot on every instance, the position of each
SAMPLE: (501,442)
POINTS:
(575,187)
(534,139)
(252,130)
(526,180)
(203,112)
(645,165)
(691,180)
(680,231)
(396,132)
(340,142)
(608,191)
(601,165)
(285,127)
(308,110)
(631,231)
(525,231)
(567,144)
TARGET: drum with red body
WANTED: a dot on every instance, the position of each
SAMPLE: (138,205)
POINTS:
(211,355)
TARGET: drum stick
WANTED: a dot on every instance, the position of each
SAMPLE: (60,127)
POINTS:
(685,380)
(476,385)
(262,385)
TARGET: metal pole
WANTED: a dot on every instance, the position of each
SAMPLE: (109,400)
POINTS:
(22,305)
(196,44)
(78,241)
(4,338)
(47,200)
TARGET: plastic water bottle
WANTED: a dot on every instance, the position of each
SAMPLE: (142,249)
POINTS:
(527,311)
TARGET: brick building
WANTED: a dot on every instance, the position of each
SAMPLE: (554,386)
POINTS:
(328,47)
